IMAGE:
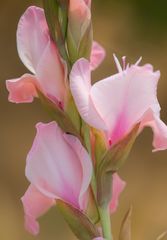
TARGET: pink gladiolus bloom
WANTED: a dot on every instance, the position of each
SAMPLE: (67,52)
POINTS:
(58,167)
(39,54)
(116,104)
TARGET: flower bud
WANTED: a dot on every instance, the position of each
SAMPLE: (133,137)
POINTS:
(79,34)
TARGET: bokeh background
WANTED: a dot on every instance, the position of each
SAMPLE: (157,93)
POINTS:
(133,28)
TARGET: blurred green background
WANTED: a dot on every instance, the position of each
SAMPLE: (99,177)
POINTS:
(131,28)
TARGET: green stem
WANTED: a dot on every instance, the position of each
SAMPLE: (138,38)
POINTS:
(105,222)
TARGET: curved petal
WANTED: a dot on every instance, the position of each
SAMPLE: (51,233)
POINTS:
(35,204)
(159,128)
(53,166)
(23,89)
(97,55)
(80,84)
(122,99)
(117,187)
(86,168)
(32,37)
(50,73)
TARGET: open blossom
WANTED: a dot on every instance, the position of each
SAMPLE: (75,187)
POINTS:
(58,167)
(116,104)
(40,55)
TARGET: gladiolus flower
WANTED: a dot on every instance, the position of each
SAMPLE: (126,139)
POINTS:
(40,55)
(58,167)
(116,104)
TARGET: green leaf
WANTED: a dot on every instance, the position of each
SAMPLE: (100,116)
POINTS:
(163,236)
(112,161)
(79,223)
(59,116)
(125,231)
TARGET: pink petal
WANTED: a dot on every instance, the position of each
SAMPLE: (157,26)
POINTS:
(32,37)
(35,204)
(117,187)
(80,84)
(117,103)
(22,90)
(159,128)
(97,55)
(86,168)
(54,167)
(50,73)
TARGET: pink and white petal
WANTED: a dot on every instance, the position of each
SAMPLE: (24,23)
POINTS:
(86,166)
(97,55)
(50,73)
(117,187)
(122,99)
(80,84)
(32,37)
(35,205)
(159,128)
(52,165)
(23,89)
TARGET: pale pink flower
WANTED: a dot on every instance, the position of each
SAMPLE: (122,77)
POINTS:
(116,104)
(40,55)
(58,167)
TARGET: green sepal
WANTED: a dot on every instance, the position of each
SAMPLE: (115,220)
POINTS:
(51,9)
(112,161)
(85,45)
(72,112)
(59,116)
(72,46)
(57,26)
(79,223)
(85,133)
(125,231)
(64,4)
(92,208)
(100,147)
